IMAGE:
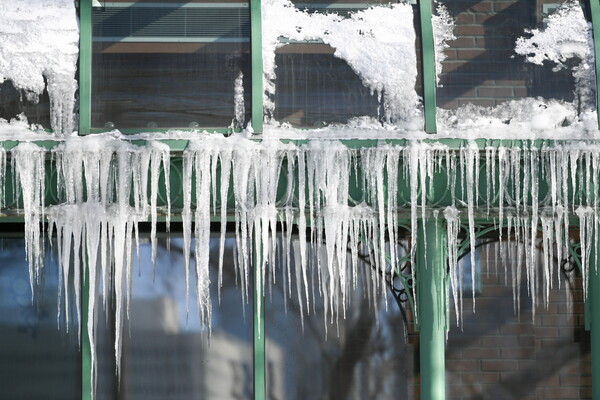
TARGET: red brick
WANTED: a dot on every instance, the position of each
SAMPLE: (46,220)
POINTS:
(464,19)
(505,5)
(518,353)
(478,102)
(469,30)
(499,365)
(462,42)
(546,332)
(495,91)
(497,42)
(462,365)
(481,353)
(575,380)
(450,54)
(481,6)
(563,393)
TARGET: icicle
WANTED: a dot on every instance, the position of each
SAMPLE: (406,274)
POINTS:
(452,216)
(239,108)
(472,166)
(29,163)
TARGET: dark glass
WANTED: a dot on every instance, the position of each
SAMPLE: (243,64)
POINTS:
(169,65)
(166,354)
(37,359)
(500,355)
(365,355)
(14,102)
(482,67)
(314,88)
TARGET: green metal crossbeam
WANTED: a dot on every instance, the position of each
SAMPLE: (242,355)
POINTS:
(431,307)
(85,66)
(428,66)
(257,65)
(595,13)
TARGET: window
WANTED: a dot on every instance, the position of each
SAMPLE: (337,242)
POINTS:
(498,355)
(170,65)
(502,65)
(343,61)
(37,360)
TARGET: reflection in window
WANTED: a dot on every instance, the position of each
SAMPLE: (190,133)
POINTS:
(498,355)
(481,67)
(315,89)
(364,355)
(37,359)
(166,354)
(170,65)
(336,62)
(17,104)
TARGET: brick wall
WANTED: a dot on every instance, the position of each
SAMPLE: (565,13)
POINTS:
(500,356)
(481,66)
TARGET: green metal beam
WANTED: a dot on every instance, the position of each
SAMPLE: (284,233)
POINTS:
(595,13)
(431,307)
(593,316)
(257,65)
(85,66)
(86,352)
(259,325)
(428,66)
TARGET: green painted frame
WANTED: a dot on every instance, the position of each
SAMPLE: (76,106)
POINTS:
(595,15)
(85,75)
(428,63)
(431,309)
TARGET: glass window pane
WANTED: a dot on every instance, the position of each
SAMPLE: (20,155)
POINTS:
(491,63)
(170,65)
(362,356)
(166,354)
(14,103)
(315,89)
(37,359)
(499,355)
(372,74)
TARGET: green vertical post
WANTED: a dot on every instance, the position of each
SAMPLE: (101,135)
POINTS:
(428,65)
(431,307)
(85,94)
(257,65)
(595,13)
(259,325)
(86,353)
(594,315)
(85,66)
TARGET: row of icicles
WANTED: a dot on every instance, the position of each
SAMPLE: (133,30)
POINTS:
(345,199)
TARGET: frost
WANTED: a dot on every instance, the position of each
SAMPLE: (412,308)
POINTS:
(443,32)
(346,202)
(378,43)
(566,41)
(39,50)
(531,115)
(239,108)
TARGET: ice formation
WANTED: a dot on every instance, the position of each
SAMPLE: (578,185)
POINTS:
(388,68)
(443,32)
(344,198)
(239,108)
(341,199)
(39,50)
(567,36)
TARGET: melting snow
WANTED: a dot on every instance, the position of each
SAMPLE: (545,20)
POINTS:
(39,50)
(108,186)
(566,36)
(388,68)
